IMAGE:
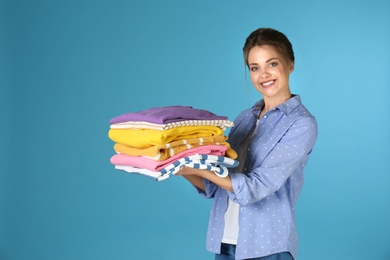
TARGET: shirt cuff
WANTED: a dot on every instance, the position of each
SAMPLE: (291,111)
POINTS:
(235,178)
(209,189)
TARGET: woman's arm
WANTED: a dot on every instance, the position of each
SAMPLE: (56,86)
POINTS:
(286,157)
(196,176)
(194,180)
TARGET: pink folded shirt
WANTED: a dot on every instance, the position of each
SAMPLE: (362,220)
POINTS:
(150,164)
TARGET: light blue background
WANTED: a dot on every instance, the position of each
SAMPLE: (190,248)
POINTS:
(67,67)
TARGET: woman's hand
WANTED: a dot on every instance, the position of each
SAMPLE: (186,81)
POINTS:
(196,176)
(192,175)
(185,171)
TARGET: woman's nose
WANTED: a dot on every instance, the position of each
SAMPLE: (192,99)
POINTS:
(265,74)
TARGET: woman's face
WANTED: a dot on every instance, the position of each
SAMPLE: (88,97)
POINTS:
(270,73)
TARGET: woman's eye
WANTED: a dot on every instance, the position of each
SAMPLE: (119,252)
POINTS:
(253,68)
(273,64)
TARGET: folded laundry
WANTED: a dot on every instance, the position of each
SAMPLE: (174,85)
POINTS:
(203,159)
(222,171)
(147,125)
(155,175)
(157,142)
(218,164)
(144,138)
(154,165)
(164,151)
(167,114)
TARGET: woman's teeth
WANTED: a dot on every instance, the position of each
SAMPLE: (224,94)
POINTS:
(265,84)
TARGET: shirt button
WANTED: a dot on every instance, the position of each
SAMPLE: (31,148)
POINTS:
(265,116)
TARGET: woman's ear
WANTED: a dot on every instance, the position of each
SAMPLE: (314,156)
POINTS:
(291,66)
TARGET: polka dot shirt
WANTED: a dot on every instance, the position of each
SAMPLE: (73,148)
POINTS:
(271,180)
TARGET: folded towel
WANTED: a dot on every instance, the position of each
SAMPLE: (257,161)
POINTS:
(154,165)
(218,164)
(223,124)
(146,138)
(168,114)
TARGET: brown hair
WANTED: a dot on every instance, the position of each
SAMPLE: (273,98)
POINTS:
(272,37)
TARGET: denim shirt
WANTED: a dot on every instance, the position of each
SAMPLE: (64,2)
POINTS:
(272,178)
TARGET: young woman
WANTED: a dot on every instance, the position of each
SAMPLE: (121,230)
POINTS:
(252,215)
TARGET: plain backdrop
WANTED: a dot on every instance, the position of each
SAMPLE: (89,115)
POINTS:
(67,67)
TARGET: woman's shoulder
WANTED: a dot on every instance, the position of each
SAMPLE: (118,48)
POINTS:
(304,114)
(298,110)
(301,118)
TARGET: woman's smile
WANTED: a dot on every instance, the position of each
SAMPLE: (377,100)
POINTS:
(268,84)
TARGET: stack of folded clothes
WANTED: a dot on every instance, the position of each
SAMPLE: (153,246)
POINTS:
(157,142)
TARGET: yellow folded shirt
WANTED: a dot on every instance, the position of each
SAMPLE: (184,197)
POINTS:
(164,151)
(144,138)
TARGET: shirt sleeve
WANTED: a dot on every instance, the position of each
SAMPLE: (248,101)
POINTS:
(289,154)
(210,187)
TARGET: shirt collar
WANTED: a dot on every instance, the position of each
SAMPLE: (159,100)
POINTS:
(286,107)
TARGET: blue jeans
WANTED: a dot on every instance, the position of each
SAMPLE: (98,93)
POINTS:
(228,252)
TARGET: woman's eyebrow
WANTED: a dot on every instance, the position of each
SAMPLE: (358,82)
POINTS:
(271,59)
(255,63)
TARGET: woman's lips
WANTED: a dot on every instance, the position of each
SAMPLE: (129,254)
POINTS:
(268,84)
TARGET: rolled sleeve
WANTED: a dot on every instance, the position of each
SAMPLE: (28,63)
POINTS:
(210,189)
(287,157)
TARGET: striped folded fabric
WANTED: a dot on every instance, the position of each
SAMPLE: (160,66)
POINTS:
(144,138)
(155,165)
(217,164)
(223,124)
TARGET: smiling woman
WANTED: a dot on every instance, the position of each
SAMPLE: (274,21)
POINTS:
(270,58)
(270,74)
(253,215)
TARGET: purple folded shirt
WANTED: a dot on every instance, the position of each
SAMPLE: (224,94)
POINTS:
(168,114)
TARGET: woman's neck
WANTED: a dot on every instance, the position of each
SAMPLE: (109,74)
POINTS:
(270,103)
